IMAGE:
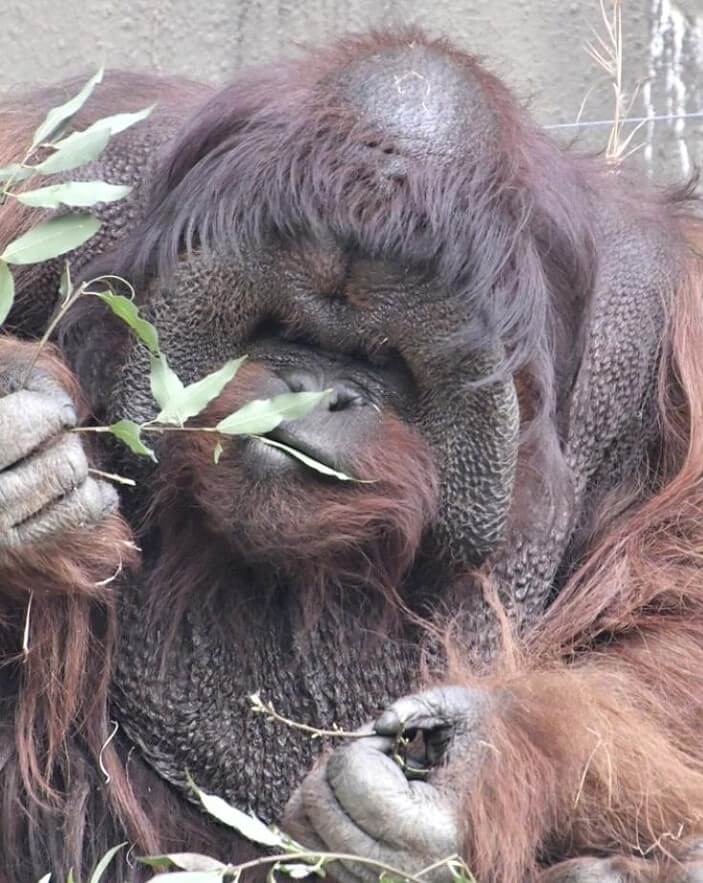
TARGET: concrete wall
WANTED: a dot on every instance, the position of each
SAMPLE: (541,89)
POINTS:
(538,46)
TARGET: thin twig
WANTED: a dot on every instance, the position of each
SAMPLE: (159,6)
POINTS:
(58,316)
(266,708)
(325,857)
(111,476)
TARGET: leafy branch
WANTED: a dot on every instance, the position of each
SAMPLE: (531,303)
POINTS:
(292,859)
(61,234)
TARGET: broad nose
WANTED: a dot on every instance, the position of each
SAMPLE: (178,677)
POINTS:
(343,393)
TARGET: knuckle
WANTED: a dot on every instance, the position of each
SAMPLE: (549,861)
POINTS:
(73,465)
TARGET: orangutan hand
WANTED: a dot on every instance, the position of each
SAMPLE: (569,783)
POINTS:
(45,487)
(361,800)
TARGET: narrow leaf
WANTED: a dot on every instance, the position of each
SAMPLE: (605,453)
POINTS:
(51,239)
(102,865)
(15,172)
(7,291)
(45,879)
(70,878)
(310,461)
(186,861)
(188,877)
(128,311)
(76,150)
(165,385)
(193,399)
(248,826)
(130,433)
(118,122)
(62,114)
(65,286)
(264,415)
(73,193)
(217,453)
(299,872)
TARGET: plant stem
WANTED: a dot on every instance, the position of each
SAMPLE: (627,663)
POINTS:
(58,316)
(268,709)
(111,476)
(237,870)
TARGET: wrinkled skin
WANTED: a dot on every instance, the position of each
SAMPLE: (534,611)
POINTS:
(418,354)
(361,788)
(45,486)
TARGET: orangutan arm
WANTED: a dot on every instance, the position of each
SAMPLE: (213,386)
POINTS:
(600,757)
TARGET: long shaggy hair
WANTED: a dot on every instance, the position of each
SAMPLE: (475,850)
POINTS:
(322,539)
(598,750)
(599,747)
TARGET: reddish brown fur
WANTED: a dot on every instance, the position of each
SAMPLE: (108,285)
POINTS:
(326,535)
(63,671)
(596,745)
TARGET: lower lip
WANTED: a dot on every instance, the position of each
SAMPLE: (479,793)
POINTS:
(266,456)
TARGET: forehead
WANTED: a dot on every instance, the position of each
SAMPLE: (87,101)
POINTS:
(429,102)
(330,268)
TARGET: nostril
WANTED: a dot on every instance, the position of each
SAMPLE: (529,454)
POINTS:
(343,397)
(299,381)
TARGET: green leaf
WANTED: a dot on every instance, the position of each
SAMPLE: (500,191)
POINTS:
(193,399)
(102,866)
(298,871)
(165,384)
(310,461)
(51,239)
(130,433)
(459,871)
(73,193)
(76,150)
(7,291)
(118,122)
(65,285)
(70,878)
(188,877)
(248,826)
(128,311)
(263,415)
(57,116)
(186,861)
(16,172)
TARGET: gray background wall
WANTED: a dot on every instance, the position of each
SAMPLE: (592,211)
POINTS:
(538,46)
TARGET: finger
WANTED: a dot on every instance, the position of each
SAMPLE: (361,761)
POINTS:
(373,790)
(297,824)
(40,479)
(28,419)
(88,504)
(337,830)
(431,709)
(340,833)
